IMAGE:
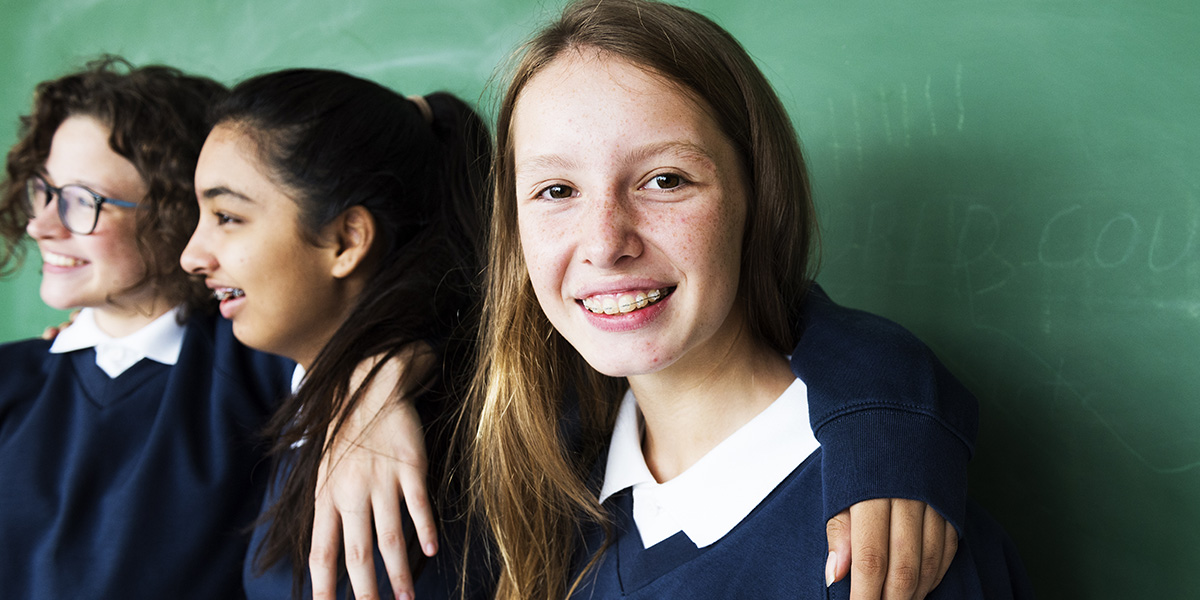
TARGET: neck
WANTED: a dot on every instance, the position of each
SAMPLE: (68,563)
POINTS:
(306,352)
(119,322)
(690,408)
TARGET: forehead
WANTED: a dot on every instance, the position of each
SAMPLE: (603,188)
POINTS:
(592,95)
(80,154)
(230,154)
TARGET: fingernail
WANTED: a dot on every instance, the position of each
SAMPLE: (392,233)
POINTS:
(404,596)
(430,549)
(829,566)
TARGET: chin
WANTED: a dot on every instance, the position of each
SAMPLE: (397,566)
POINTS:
(57,302)
(626,367)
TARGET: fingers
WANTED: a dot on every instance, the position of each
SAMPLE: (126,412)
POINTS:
(837,531)
(869,543)
(905,550)
(949,549)
(933,545)
(390,532)
(416,495)
(360,552)
(324,553)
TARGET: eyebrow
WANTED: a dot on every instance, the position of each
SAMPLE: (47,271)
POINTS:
(684,149)
(218,191)
(87,185)
(545,161)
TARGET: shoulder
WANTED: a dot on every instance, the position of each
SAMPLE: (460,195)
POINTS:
(846,334)
(209,339)
(24,357)
(26,365)
(857,355)
(24,352)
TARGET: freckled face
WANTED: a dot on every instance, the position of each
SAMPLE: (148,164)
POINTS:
(275,285)
(93,270)
(631,207)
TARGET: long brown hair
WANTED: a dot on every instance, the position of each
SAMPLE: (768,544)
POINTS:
(527,485)
(158,117)
(336,141)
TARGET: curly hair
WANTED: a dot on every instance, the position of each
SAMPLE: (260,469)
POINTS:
(158,119)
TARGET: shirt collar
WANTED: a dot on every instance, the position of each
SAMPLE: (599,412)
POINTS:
(712,496)
(161,341)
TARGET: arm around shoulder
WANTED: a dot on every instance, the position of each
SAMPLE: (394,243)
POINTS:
(891,420)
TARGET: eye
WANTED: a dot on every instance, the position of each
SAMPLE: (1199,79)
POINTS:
(556,192)
(665,181)
(225,218)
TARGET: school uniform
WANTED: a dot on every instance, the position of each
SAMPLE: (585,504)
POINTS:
(748,519)
(434,578)
(130,468)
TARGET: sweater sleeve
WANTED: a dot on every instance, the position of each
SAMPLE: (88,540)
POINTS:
(891,420)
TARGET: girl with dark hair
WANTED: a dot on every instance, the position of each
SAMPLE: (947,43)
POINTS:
(339,223)
(128,445)
(651,252)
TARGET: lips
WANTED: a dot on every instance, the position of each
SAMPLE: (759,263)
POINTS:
(624,303)
(62,260)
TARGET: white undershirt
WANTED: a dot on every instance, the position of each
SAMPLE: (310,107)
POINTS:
(713,495)
(160,341)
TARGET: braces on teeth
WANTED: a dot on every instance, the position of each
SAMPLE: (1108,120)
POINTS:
(624,304)
(226,294)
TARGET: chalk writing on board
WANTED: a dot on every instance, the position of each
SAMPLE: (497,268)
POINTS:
(1071,239)
(892,100)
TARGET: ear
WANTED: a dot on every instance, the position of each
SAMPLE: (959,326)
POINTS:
(354,234)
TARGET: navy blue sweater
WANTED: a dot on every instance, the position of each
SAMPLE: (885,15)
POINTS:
(891,420)
(777,551)
(892,423)
(134,487)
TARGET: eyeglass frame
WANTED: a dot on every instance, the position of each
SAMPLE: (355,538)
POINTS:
(53,193)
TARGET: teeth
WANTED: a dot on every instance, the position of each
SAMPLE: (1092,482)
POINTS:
(626,303)
(60,260)
(223,294)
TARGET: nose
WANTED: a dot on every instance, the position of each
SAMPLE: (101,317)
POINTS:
(196,258)
(47,225)
(611,230)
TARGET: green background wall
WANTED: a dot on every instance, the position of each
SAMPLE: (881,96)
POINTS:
(1018,181)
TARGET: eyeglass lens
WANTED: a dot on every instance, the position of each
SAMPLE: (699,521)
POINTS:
(77,207)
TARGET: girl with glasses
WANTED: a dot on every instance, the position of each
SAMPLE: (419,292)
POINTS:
(132,443)
(128,446)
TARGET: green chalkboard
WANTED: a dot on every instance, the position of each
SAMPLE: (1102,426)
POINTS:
(1018,181)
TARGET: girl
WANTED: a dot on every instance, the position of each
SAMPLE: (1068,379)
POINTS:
(127,445)
(651,240)
(338,225)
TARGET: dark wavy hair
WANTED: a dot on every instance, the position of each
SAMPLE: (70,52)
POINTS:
(336,141)
(158,117)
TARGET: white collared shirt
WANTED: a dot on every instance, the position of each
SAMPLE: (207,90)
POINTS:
(297,378)
(712,496)
(160,341)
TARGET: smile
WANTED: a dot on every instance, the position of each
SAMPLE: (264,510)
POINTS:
(222,294)
(60,260)
(625,303)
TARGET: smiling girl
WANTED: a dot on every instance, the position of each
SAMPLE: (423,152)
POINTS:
(651,252)
(127,446)
(338,226)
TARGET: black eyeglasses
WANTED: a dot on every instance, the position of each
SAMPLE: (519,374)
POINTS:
(78,207)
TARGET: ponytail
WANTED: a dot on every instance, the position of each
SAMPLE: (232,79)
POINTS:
(338,141)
